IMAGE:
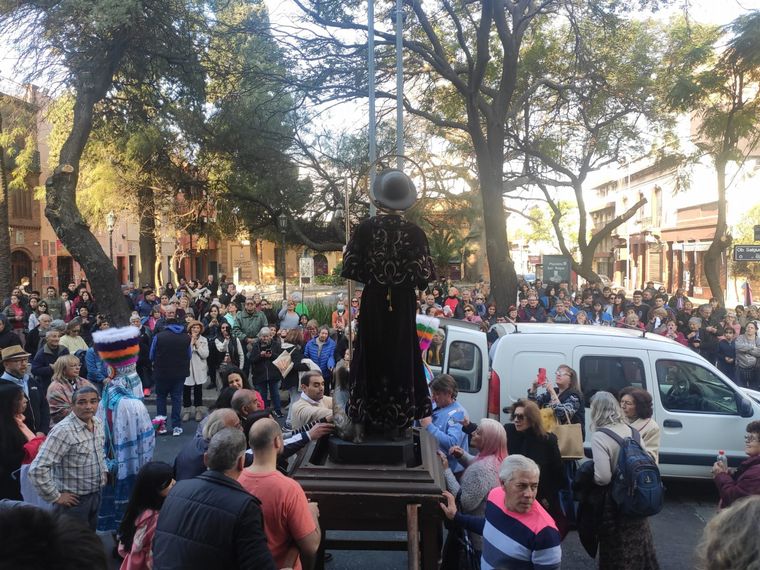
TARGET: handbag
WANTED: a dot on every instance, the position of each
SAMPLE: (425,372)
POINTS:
(569,439)
(284,362)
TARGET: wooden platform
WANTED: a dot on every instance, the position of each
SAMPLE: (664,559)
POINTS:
(387,497)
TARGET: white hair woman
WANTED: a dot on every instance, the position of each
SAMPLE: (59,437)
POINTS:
(519,529)
(624,542)
(730,538)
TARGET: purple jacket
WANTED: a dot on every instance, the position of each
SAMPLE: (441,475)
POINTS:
(743,483)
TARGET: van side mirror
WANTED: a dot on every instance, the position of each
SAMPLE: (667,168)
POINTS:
(745,407)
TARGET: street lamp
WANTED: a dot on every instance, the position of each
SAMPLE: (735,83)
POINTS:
(110,223)
(282,223)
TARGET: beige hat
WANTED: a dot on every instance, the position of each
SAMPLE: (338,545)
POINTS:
(14,352)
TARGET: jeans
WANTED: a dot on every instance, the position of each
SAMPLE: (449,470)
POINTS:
(86,510)
(274,393)
(295,395)
(164,387)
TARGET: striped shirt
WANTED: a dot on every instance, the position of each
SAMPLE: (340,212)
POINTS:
(515,541)
(71,460)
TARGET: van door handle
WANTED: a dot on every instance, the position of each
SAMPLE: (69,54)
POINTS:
(672,423)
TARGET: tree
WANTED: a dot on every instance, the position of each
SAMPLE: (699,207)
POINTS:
(462,70)
(744,231)
(720,86)
(101,49)
(603,109)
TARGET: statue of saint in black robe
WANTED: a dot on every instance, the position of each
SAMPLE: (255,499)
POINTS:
(391,256)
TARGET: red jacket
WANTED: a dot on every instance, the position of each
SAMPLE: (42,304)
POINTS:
(743,483)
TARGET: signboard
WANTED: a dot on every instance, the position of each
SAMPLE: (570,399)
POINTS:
(306,270)
(757,232)
(556,268)
(747,253)
(534,259)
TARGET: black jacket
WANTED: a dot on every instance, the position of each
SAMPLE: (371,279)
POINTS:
(262,369)
(37,414)
(170,353)
(545,452)
(211,522)
(42,364)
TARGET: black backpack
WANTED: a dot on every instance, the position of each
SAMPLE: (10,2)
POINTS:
(636,484)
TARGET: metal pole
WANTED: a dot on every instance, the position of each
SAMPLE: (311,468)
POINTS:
(399,84)
(284,270)
(348,281)
(110,243)
(628,233)
(371,88)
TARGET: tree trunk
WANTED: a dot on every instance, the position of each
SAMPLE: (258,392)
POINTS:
(146,207)
(585,267)
(503,278)
(62,213)
(714,254)
(5,239)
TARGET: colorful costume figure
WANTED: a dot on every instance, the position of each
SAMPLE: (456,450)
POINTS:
(426,328)
(390,255)
(130,437)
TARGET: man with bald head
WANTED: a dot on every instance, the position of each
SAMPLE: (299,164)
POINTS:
(246,404)
(189,461)
(291,522)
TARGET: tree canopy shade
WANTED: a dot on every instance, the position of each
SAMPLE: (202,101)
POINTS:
(466,72)
(721,87)
(102,49)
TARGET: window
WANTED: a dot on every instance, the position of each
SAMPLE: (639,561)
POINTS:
(610,374)
(465,366)
(688,387)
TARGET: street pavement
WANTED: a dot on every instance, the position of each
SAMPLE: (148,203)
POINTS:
(677,529)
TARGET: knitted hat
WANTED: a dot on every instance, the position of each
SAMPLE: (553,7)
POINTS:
(118,347)
(426,328)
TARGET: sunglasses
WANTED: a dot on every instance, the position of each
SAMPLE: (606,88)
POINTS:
(518,417)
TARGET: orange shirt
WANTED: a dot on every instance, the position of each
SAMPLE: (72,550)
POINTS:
(287,517)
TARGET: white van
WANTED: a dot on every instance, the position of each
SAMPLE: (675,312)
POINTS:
(698,409)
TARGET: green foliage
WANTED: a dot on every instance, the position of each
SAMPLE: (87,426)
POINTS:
(320,311)
(744,234)
(18,142)
(721,85)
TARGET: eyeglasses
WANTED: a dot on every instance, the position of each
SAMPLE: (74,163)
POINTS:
(562,373)
(518,417)
(749,438)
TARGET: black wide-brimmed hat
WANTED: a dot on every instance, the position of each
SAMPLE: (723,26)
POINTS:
(393,190)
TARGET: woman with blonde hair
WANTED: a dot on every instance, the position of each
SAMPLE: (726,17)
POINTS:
(481,473)
(65,382)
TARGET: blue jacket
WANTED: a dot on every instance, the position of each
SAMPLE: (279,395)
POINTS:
(97,370)
(210,521)
(447,429)
(325,359)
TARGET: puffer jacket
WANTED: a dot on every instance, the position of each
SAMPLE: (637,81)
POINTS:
(210,521)
(747,352)
(324,359)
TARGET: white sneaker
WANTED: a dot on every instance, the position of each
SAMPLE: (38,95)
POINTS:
(177,431)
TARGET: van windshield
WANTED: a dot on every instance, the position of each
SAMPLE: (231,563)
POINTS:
(689,387)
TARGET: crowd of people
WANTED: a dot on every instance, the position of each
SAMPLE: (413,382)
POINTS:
(75,434)
(727,337)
